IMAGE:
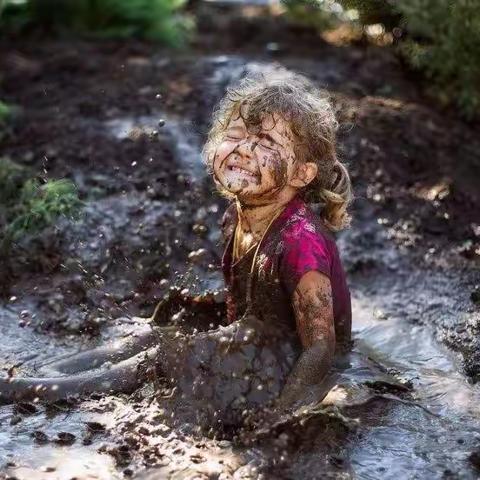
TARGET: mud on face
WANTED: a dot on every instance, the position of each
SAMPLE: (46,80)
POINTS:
(255,157)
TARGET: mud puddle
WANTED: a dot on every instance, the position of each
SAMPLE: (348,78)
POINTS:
(429,433)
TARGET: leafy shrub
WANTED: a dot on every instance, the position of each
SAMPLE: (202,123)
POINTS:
(312,13)
(5,112)
(371,12)
(29,206)
(158,20)
(442,39)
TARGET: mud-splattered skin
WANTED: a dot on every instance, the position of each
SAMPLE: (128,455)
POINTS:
(271,176)
(312,304)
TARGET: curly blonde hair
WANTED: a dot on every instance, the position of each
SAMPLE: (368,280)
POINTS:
(275,90)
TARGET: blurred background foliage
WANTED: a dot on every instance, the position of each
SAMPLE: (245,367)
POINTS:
(4,112)
(439,38)
(157,20)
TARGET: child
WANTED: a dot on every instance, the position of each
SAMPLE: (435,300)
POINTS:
(271,151)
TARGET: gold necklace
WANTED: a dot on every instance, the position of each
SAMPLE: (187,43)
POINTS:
(236,237)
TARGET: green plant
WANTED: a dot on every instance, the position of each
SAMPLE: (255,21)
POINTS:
(444,42)
(159,20)
(442,39)
(369,12)
(27,206)
(5,112)
(320,14)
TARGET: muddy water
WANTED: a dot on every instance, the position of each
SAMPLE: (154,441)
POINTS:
(437,435)
(427,432)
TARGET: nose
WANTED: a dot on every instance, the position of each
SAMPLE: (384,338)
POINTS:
(246,147)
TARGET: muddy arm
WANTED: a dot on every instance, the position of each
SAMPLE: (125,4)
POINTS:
(312,304)
(306,377)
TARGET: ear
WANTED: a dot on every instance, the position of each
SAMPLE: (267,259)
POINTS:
(304,174)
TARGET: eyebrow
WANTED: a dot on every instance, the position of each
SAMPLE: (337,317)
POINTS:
(270,138)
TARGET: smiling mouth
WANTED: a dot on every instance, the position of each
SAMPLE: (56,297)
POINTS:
(242,171)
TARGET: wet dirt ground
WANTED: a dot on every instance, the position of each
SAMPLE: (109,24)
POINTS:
(126,122)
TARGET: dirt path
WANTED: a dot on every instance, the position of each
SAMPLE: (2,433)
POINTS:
(89,112)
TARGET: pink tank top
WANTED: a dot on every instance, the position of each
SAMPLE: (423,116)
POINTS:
(296,243)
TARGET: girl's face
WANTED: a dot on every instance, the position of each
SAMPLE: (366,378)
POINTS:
(255,166)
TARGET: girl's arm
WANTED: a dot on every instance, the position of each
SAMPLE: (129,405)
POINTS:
(312,304)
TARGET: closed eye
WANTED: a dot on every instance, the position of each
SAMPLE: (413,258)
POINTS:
(268,146)
(234,134)
(268,142)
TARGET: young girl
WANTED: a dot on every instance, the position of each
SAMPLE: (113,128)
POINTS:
(271,150)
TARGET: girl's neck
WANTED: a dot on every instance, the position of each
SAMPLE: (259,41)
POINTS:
(253,219)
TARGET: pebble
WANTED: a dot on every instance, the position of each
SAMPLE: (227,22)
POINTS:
(47,469)
(474,459)
(65,438)
(475,295)
(26,408)
(40,437)
(95,427)
(16,419)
